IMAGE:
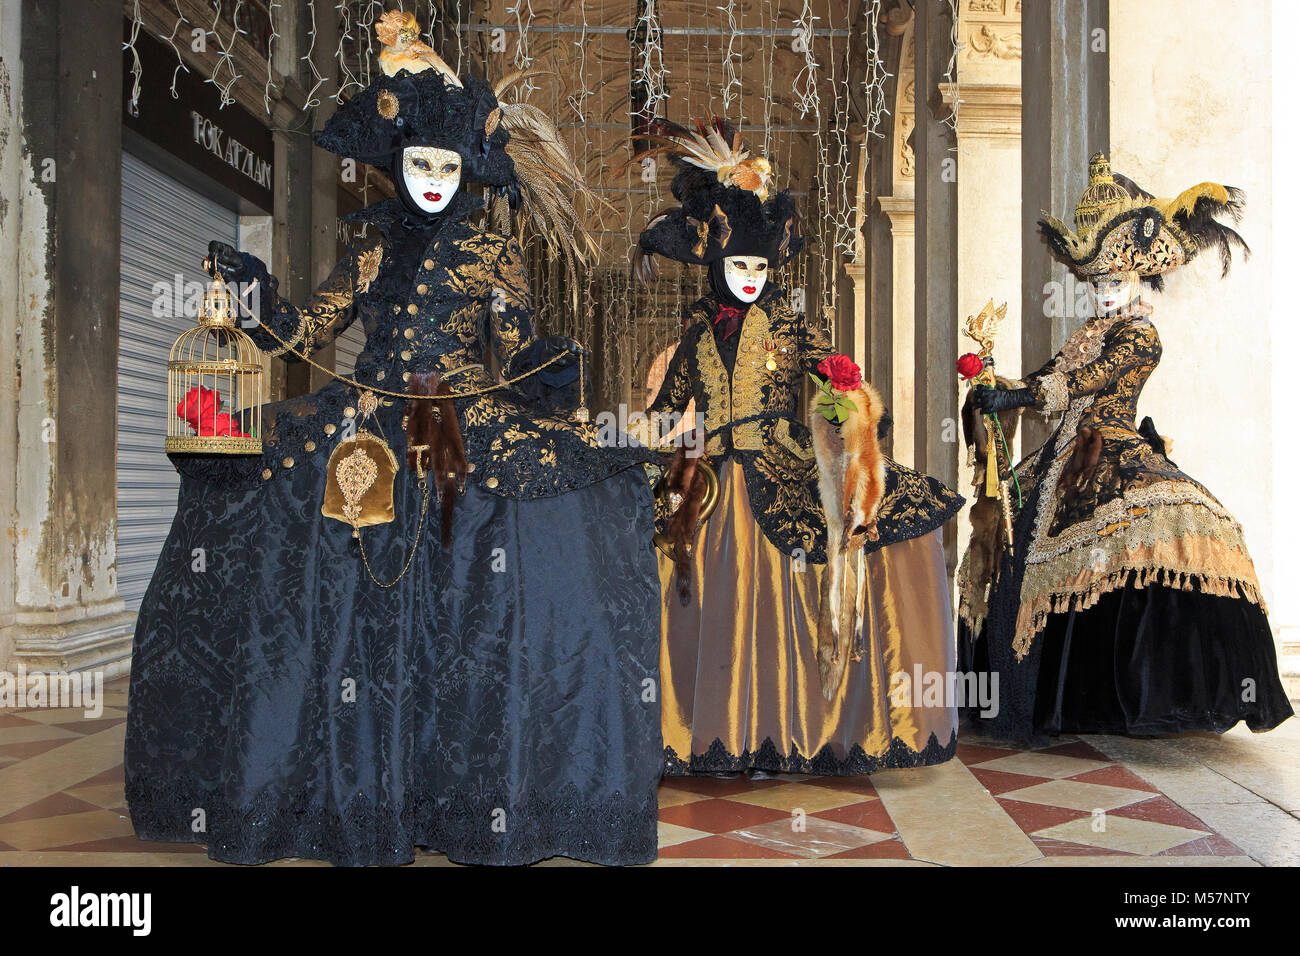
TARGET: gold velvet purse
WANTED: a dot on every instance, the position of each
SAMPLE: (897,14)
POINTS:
(359,487)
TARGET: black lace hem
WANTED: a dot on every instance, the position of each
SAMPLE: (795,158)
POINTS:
(614,829)
(857,763)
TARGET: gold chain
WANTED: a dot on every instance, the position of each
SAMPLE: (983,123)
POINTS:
(288,347)
(415,545)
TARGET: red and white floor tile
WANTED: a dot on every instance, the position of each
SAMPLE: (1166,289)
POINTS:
(1070,804)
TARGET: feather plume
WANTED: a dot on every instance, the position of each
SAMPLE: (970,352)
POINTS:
(552,187)
(715,149)
(1196,210)
(644,268)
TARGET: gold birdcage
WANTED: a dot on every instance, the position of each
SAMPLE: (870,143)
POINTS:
(215,385)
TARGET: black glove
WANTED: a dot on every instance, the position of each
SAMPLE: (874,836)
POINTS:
(992,401)
(555,386)
(554,345)
(226,260)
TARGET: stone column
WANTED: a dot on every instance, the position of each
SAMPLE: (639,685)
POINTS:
(66,613)
(901,388)
(988,184)
(936,258)
(1065,76)
(13,175)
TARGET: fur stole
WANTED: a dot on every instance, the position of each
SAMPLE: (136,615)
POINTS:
(851,481)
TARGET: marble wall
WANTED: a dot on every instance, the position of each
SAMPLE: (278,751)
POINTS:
(1191,100)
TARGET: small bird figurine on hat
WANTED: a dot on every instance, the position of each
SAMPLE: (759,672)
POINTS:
(403,50)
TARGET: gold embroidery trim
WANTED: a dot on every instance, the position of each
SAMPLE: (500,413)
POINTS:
(1054,392)
(1181,545)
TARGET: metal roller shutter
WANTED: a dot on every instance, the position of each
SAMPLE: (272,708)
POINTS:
(348,346)
(165,232)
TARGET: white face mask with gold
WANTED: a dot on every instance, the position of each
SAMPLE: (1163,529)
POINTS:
(745,275)
(432,176)
(1112,293)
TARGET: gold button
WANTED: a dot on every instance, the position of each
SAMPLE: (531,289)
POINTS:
(349,412)
(428,263)
(491,482)
(266,472)
(381,375)
(406,376)
(406,356)
(422,288)
(330,428)
(288,463)
(470,466)
(412,308)
(310,446)
(396,307)
(409,333)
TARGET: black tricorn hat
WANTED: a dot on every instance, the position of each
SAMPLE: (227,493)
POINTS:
(719,221)
(725,207)
(423,109)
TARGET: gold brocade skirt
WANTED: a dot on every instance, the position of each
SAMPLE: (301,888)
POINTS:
(740,684)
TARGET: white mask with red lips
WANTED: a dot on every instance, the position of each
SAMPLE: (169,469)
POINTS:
(1116,292)
(745,276)
(431,175)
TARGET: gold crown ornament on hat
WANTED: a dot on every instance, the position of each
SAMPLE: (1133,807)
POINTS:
(1124,228)
(708,148)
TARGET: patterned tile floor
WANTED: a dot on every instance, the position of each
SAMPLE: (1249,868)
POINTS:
(1194,800)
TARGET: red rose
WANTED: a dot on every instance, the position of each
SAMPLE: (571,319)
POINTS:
(842,372)
(224,424)
(969,365)
(199,405)
(199,409)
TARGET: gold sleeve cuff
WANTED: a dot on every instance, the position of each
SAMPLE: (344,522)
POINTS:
(1053,392)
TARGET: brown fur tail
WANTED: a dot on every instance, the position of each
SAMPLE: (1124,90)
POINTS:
(851,482)
(686,480)
(434,423)
(1081,469)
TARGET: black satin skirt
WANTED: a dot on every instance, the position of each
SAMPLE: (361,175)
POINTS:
(495,705)
(1149,661)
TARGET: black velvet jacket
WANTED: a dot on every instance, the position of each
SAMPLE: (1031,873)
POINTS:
(754,413)
(434,294)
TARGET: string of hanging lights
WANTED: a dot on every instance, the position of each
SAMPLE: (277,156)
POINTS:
(803,78)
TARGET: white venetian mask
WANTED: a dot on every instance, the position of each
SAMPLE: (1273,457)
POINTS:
(745,275)
(1111,293)
(432,176)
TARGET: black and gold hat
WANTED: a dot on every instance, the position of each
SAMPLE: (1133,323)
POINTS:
(725,207)
(423,109)
(1124,228)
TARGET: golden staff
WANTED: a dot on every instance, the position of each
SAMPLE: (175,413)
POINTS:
(983,329)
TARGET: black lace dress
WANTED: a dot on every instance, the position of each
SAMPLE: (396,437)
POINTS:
(495,704)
